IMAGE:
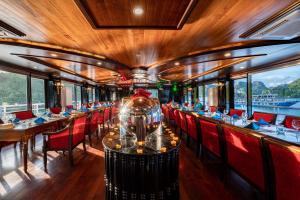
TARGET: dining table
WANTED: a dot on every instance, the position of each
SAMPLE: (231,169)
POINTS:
(276,131)
(26,129)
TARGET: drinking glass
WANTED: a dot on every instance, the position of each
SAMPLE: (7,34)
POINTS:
(296,124)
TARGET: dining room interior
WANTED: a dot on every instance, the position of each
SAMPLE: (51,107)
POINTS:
(150,99)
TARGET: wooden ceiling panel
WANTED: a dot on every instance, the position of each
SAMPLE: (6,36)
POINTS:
(184,73)
(112,14)
(213,24)
(94,73)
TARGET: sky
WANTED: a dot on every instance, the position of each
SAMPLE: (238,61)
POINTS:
(277,77)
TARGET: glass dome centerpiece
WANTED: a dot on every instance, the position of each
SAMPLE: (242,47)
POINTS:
(140,120)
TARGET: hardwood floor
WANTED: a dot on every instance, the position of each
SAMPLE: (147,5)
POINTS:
(198,180)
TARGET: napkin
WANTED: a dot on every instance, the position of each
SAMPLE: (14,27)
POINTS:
(39,120)
(253,126)
(235,116)
(216,117)
(201,112)
(15,121)
(66,114)
(262,122)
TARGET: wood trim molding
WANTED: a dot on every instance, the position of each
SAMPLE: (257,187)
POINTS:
(271,19)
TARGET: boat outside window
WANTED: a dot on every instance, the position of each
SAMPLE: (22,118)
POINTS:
(277,91)
(13,92)
(240,93)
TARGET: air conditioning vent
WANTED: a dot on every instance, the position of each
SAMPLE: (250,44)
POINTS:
(285,27)
(9,31)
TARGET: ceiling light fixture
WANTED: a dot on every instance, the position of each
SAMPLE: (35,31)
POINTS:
(138,11)
(227,54)
(176,63)
(242,67)
(99,63)
(53,55)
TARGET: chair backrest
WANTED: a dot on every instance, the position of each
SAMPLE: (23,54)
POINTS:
(245,155)
(268,117)
(210,136)
(23,115)
(94,121)
(238,112)
(106,114)
(171,114)
(167,116)
(55,110)
(69,107)
(288,120)
(192,127)
(177,117)
(79,129)
(213,108)
(183,124)
(284,160)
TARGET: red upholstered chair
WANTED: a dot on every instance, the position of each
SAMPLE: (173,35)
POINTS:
(167,116)
(238,112)
(183,124)
(244,154)
(210,137)
(213,108)
(55,110)
(177,119)
(94,119)
(288,120)
(171,116)
(268,117)
(23,115)
(66,139)
(69,107)
(114,112)
(192,131)
(284,160)
(106,118)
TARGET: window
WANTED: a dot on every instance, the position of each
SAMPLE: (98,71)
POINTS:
(78,96)
(213,96)
(13,92)
(38,95)
(200,94)
(91,94)
(240,93)
(277,91)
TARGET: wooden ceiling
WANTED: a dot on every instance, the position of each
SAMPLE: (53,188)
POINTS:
(118,14)
(212,25)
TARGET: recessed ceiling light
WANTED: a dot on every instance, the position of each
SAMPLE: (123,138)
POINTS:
(99,63)
(138,11)
(176,63)
(242,67)
(227,54)
(53,55)
(35,67)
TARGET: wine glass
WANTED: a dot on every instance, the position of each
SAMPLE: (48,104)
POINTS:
(296,126)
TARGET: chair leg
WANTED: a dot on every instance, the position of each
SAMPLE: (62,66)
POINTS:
(71,157)
(84,146)
(90,139)
(45,159)
(98,132)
